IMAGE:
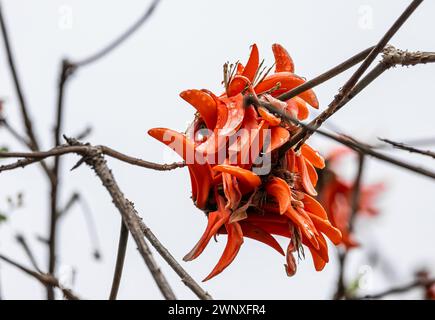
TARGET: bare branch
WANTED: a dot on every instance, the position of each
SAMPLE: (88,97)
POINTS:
(349,89)
(87,214)
(349,63)
(388,61)
(349,142)
(19,91)
(376,50)
(402,146)
(13,132)
(130,219)
(356,194)
(120,258)
(118,41)
(185,277)
(136,226)
(22,241)
(46,279)
(342,254)
(400,289)
(32,157)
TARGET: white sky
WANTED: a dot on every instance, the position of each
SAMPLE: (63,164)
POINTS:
(136,88)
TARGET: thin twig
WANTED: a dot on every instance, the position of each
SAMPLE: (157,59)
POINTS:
(185,277)
(129,215)
(17,84)
(137,227)
(355,201)
(32,157)
(119,40)
(348,89)
(14,133)
(120,258)
(22,241)
(69,204)
(32,141)
(377,49)
(403,146)
(415,142)
(341,286)
(66,70)
(84,134)
(331,73)
(356,193)
(46,279)
(351,143)
(400,289)
(90,223)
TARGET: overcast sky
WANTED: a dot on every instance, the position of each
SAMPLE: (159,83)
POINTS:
(136,87)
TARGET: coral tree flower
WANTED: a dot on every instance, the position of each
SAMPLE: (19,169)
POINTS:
(336,196)
(222,149)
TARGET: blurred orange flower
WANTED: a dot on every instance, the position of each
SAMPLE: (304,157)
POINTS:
(336,197)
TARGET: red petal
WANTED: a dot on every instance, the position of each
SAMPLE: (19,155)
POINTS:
(216,220)
(238,84)
(204,104)
(269,117)
(186,149)
(257,233)
(278,136)
(234,242)
(291,266)
(246,178)
(287,82)
(303,171)
(313,206)
(283,61)
(280,190)
(303,225)
(231,190)
(325,227)
(313,156)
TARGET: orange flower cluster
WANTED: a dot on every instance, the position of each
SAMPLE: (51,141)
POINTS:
(227,149)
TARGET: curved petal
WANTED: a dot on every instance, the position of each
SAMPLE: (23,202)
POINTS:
(185,148)
(216,220)
(252,65)
(303,226)
(283,61)
(280,190)
(214,142)
(303,171)
(312,173)
(313,206)
(319,263)
(287,81)
(245,177)
(313,156)
(278,136)
(325,227)
(234,242)
(204,104)
(236,113)
(290,266)
(269,117)
(231,190)
(301,105)
(257,233)
(232,111)
(246,147)
(238,84)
